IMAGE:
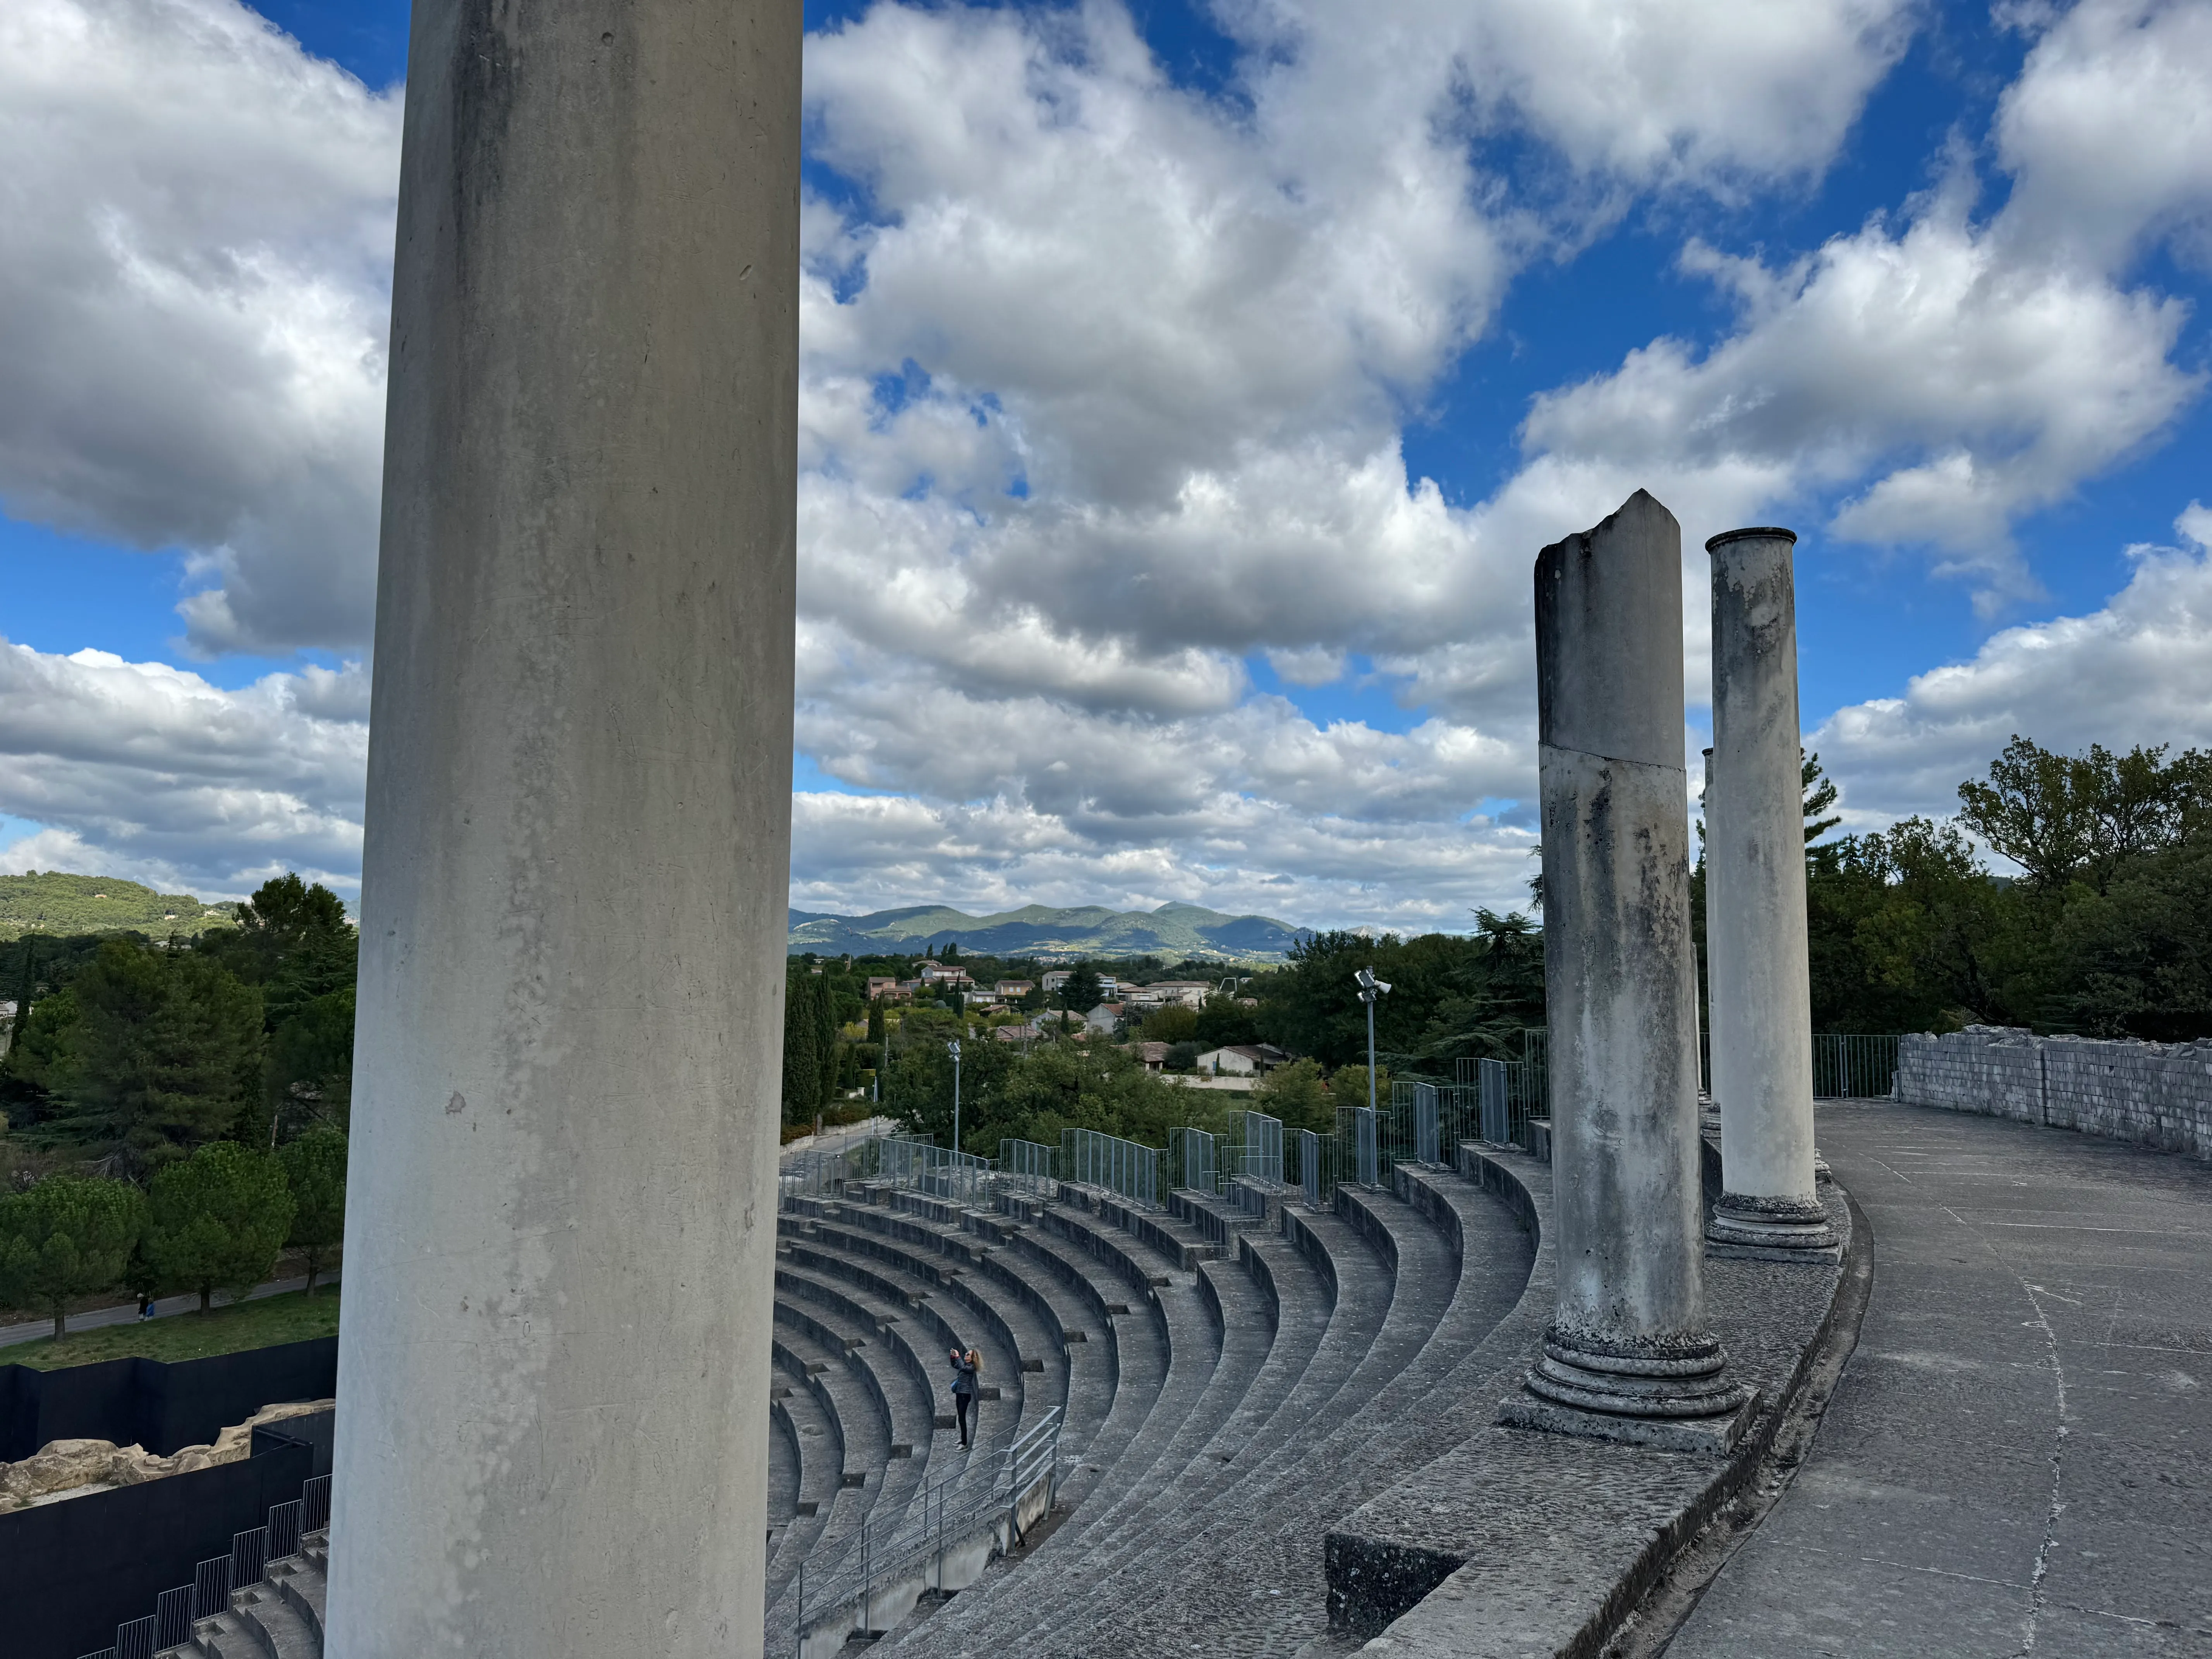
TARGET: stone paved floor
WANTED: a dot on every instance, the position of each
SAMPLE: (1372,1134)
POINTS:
(2018,1458)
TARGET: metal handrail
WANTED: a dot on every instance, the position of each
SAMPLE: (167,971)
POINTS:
(946,1509)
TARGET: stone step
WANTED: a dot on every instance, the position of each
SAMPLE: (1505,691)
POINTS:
(1424,1390)
(1013,1612)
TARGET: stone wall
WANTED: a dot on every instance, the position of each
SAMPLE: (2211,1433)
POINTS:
(2154,1094)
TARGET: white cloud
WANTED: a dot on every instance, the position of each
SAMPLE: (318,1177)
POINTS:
(142,769)
(1966,386)
(1101,395)
(856,852)
(2109,131)
(195,250)
(2138,671)
(1659,91)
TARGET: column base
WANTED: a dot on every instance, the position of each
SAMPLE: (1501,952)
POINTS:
(1656,1395)
(1710,1436)
(1772,1229)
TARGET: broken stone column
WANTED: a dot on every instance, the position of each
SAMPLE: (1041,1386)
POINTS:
(1628,1355)
(553,1372)
(1755,928)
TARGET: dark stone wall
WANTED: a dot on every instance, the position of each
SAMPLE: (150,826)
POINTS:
(161,1406)
(71,1572)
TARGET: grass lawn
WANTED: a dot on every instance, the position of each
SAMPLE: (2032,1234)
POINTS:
(293,1317)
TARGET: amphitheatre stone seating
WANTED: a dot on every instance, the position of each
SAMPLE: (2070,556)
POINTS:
(1227,1376)
(280,1617)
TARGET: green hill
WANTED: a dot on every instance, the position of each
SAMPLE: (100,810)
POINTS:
(1175,932)
(49,902)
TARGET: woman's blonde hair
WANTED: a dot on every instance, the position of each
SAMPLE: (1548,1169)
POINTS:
(976,1358)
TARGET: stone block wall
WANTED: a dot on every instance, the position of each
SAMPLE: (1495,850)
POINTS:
(2154,1094)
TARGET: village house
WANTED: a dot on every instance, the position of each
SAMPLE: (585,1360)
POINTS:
(1242,1060)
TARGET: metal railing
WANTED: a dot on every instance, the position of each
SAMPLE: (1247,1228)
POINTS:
(1027,1165)
(924,1166)
(1195,1159)
(1847,1066)
(1260,1153)
(1309,1155)
(877,1553)
(215,1580)
(1121,1166)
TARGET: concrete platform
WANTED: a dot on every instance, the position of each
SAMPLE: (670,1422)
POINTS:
(2018,1458)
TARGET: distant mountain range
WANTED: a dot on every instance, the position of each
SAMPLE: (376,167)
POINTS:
(1173,931)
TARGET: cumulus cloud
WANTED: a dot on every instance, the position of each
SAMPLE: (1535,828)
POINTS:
(143,769)
(2108,131)
(1969,385)
(1103,387)
(2140,667)
(855,853)
(195,252)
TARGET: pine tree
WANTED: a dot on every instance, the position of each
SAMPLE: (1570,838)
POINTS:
(315,1172)
(218,1219)
(69,1235)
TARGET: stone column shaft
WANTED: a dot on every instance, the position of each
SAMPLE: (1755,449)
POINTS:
(1628,1338)
(1755,931)
(553,1372)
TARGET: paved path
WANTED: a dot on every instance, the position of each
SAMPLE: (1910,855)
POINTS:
(2018,1458)
(32,1330)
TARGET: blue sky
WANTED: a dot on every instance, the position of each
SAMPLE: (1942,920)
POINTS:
(1182,554)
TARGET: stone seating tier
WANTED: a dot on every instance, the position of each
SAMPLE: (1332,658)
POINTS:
(1210,1360)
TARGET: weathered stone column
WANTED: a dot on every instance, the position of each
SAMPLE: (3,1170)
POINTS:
(1628,1355)
(1762,1011)
(553,1370)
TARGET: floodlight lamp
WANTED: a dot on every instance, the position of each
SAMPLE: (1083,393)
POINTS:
(953,1048)
(1366,978)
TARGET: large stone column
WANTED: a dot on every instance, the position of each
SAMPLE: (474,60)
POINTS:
(553,1369)
(1628,1354)
(1762,1011)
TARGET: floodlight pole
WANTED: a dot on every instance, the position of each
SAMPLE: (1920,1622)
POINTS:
(955,1047)
(1368,997)
(1372,991)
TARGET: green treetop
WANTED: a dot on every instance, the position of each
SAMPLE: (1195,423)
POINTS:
(68,1236)
(217,1220)
(315,1172)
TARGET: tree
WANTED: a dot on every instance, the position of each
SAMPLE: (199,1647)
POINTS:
(802,1050)
(315,1174)
(41,1061)
(167,1050)
(1173,1024)
(68,1236)
(1819,792)
(2061,816)
(1081,991)
(217,1220)
(2137,958)
(1294,1094)
(309,1064)
(2032,810)
(1222,1021)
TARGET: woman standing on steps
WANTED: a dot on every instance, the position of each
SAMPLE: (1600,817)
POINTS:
(966,1367)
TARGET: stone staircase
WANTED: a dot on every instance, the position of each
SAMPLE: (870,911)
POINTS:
(1230,1381)
(279,1617)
